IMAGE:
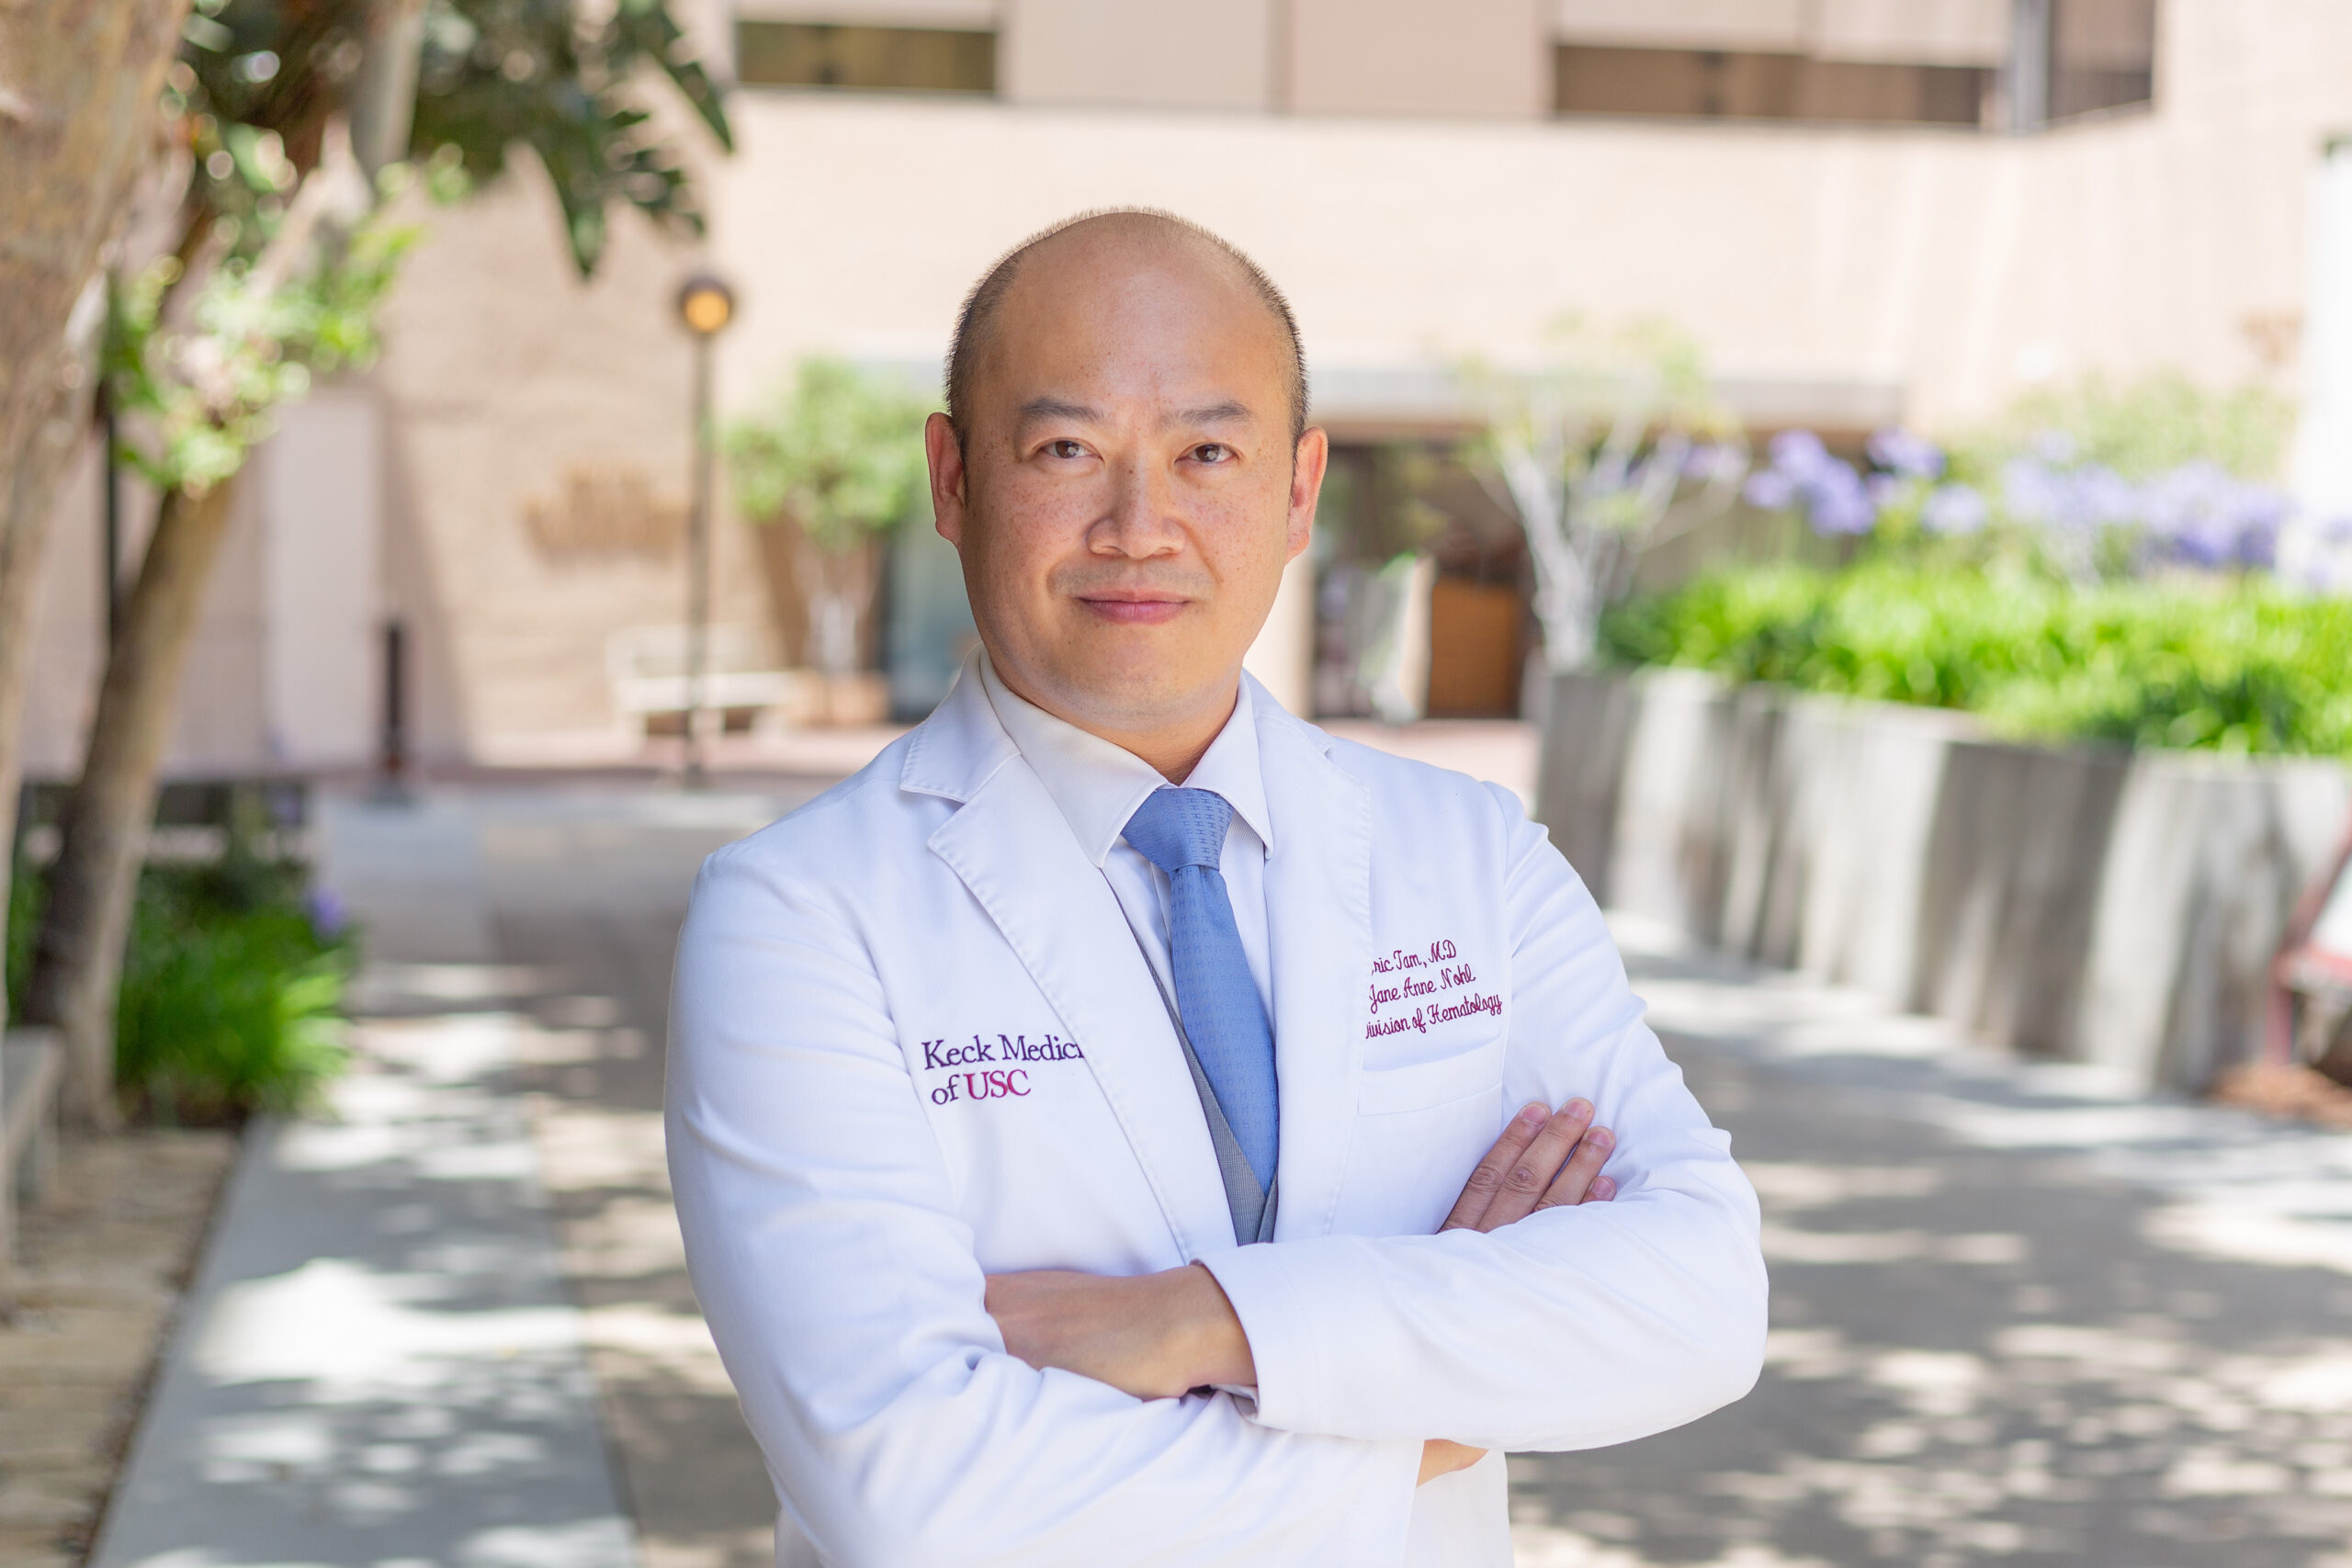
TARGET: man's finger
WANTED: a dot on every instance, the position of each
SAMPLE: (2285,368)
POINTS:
(1603,1188)
(1487,1179)
(1440,1457)
(1531,1175)
(1581,1179)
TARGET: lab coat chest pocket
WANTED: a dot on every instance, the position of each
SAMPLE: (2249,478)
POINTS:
(1419,1130)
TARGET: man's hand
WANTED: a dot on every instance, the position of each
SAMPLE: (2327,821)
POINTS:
(1154,1335)
(1443,1457)
(1543,1160)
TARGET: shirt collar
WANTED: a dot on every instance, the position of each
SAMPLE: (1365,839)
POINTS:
(1099,785)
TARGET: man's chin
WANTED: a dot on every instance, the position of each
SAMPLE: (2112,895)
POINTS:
(1128,680)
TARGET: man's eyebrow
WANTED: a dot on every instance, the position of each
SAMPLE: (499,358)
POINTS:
(1226,412)
(1054,408)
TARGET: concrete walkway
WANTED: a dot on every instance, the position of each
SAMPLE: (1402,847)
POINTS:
(379,1363)
(2019,1316)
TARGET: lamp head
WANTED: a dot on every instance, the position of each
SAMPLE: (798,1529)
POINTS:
(706,304)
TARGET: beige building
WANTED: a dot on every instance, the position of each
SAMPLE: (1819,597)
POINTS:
(1864,210)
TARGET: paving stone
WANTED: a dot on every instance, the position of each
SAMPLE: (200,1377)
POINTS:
(102,1262)
(47,1501)
(37,1549)
(53,1438)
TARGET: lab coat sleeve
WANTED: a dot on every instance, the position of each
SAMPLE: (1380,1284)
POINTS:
(844,1294)
(1574,1327)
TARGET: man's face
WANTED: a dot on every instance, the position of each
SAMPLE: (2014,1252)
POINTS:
(1127,493)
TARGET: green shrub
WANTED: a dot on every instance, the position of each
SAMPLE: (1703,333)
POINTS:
(2222,664)
(231,992)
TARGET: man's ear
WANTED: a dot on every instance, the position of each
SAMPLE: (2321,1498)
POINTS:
(1309,458)
(945,450)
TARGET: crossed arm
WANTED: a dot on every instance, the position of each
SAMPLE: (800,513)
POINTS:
(1157,1335)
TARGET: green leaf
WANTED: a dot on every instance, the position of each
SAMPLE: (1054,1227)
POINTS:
(839,450)
(580,109)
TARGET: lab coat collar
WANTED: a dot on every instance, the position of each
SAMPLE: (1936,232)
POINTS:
(1015,850)
(960,746)
(1099,785)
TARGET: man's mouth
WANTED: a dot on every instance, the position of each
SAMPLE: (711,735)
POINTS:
(1132,607)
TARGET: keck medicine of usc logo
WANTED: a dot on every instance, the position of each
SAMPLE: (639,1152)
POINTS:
(996,1068)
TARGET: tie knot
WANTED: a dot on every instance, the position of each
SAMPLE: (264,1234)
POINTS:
(1177,827)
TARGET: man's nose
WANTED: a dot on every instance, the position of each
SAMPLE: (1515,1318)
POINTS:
(1139,522)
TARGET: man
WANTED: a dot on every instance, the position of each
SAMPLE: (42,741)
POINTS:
(1076,1118)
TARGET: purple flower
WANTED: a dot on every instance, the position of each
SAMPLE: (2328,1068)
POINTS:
(2031,492)
(1837,501)
(2101,496)
(330,917)
(2201,514)
(2188,514)
(2257,517)
(2054,446)
(2069,501)
(1800,454)
(1898,451)
(1954,509)
(1834,499)
(2259,539)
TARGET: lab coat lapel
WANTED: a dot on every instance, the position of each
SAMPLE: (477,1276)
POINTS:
(1013,848)
(1319,926)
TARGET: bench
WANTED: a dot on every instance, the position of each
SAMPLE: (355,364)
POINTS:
(32,1069)
(646,666)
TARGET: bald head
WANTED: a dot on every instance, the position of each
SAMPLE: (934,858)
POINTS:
(1121,236)
(1124,471)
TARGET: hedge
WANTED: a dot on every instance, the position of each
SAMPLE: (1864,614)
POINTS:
(2233,663)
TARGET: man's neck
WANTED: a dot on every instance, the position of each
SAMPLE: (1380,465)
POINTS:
(1172,746)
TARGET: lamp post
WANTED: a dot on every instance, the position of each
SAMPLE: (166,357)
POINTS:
(706,305)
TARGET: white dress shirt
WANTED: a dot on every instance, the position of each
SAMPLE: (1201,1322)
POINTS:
(1098,787)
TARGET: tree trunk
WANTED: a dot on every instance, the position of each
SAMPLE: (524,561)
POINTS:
(837,587)
(79,81)
(77,961)
(27,496)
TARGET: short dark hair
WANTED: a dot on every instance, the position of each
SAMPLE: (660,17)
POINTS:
(978,314)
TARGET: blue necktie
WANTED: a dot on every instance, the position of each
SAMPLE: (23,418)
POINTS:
(1182,831)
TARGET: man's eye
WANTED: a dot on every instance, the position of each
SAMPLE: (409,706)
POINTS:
(1065,449)
(1213,452)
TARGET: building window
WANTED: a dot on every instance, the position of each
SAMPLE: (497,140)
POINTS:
(2102,56)
(1738,84)
(1998,64)
(873,60)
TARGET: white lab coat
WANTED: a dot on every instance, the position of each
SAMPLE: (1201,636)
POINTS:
(913,1042)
